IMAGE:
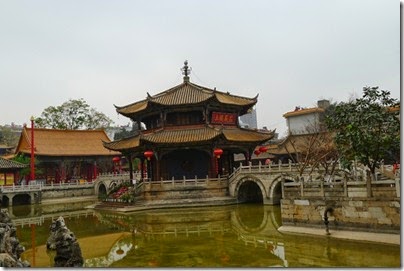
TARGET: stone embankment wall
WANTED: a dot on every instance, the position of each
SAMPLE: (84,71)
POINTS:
(370,214)
(67,192)
(171,191)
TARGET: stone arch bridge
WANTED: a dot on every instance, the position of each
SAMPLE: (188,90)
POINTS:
(261,183)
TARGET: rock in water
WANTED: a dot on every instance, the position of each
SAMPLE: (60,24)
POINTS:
(10,248)
(61,239)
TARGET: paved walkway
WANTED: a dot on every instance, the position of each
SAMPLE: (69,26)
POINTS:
(387,238)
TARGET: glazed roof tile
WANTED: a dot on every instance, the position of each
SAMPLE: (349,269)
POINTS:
(182,136)
(182,94)
(52,142)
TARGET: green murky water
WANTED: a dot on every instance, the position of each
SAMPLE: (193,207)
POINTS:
(226,236)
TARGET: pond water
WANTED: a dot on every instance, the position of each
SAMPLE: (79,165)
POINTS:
(226,236)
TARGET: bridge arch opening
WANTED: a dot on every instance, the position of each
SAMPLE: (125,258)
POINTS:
(102,191)
(250,192)
(21,199)
(5,201)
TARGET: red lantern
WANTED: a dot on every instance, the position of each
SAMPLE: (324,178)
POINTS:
(257,152)
(263,149)
(217,153)
(148,154)
(116,159)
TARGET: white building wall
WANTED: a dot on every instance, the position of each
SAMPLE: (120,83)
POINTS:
(303,124)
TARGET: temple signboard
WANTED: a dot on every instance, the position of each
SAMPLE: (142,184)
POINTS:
(223,118)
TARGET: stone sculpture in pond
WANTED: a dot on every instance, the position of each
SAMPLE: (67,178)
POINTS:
(10,247)
(63,241)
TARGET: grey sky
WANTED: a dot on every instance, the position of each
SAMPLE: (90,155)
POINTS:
(290,52)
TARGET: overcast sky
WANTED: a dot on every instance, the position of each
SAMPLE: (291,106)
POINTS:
(290,52)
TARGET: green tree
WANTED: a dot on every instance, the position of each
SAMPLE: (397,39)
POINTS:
(8,136)
(366,129)
(72,115)
(123,133)
(24,159)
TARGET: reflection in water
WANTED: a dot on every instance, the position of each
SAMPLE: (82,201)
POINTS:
(250,220)
(226,236)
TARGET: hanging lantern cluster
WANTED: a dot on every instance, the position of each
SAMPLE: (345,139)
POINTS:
(262,149)
(217,152)
(148,154)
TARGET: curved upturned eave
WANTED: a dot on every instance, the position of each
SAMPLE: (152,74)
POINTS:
(229,99)
(133,108)
(123,144)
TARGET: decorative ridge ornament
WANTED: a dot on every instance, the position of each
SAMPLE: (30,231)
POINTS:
(186,71)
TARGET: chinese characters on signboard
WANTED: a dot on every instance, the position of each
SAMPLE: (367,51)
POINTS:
(224,118)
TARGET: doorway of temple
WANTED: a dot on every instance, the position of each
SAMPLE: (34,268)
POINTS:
(188,163)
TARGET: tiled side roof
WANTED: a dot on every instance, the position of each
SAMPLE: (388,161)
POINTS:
(394,108)
(303,112)
(292,144)
(183,94)
(9,164)
(240,135)
(52,142)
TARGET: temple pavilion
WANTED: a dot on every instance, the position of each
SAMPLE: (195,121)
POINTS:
(191,132)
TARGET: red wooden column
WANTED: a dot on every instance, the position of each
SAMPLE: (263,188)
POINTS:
(32,162)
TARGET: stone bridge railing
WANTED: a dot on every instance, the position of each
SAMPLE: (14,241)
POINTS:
(113,177)
(20,188)
(41,187)
(344,188)
(292,168)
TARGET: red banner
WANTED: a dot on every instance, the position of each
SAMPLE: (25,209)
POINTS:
(224,118)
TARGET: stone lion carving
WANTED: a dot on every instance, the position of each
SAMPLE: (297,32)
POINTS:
(61,239)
